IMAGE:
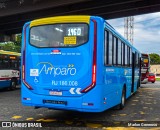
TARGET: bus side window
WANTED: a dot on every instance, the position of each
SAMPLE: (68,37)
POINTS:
(123,54)
(139,60)
(106,47)
(114,50)
(119,55)
(136,59)
(126,55)
(130,57)
(110,50)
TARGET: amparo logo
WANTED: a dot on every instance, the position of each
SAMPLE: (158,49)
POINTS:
(48,68)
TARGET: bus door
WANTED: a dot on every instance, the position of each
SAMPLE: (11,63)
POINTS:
(133,71)
(59,60)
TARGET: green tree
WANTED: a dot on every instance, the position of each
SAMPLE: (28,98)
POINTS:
(154,58)
(18,39)
(12,46)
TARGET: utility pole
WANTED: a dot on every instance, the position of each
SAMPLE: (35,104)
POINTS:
(129,28)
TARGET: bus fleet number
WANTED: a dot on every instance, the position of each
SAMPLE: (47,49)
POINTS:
(74,32)
(65,83)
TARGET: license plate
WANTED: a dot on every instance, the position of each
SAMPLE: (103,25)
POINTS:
(57,93)
(55,102)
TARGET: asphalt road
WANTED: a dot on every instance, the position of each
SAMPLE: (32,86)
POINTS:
(142,106)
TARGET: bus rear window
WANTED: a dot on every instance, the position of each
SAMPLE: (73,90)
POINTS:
(59,35)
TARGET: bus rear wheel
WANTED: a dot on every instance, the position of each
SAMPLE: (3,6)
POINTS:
(123,99)
(13,84)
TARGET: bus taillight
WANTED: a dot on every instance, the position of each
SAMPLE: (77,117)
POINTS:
(94,74)
(94,60)
(93,80)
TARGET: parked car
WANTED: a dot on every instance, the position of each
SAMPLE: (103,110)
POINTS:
(151,77)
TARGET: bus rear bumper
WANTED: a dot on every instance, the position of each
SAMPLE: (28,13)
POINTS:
(81,103)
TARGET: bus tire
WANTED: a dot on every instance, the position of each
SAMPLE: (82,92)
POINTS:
(138,84)
(13,84)
(123,99)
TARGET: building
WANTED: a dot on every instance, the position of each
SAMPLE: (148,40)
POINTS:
(155,69)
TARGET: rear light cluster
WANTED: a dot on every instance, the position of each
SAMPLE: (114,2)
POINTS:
(94,61)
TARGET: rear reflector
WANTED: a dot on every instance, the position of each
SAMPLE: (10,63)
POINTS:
(87,104)
(26,99)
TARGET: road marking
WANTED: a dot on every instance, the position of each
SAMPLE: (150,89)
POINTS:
(49,120)
(40,114)
(91,125)
(122,114)
(148,103)
(16,117)
(142,113)
(116,122)
(40,119)
(46,120)
(139,120)
(29,119)
(135,100)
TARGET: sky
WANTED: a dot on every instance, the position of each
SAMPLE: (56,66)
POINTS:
(146,31)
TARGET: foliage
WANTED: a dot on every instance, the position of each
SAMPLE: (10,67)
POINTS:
(18,39)
(154,58)
(12,46)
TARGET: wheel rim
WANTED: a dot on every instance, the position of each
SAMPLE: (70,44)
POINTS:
(13,84)
(123,99)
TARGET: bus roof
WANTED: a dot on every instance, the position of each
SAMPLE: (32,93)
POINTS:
(60,19)
(10,53)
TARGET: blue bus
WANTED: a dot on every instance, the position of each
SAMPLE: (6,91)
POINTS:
(78,63)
